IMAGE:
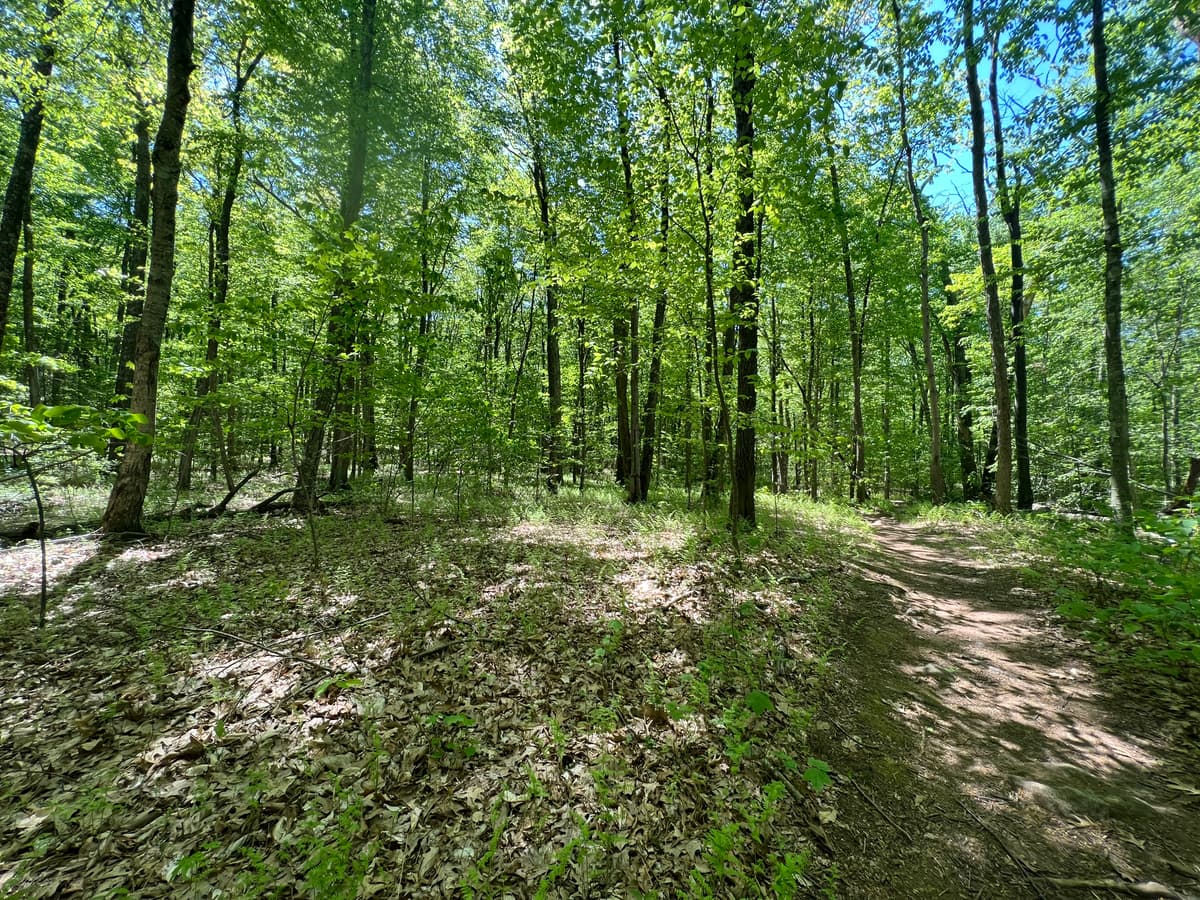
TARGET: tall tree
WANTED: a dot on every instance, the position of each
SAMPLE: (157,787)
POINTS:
(243,70)
(1121,487)
(743,292)
(936,478)
(1010,209)
(124,510)
(16,195)
(1003,411)
(627,324)
(343,315)
(129,312)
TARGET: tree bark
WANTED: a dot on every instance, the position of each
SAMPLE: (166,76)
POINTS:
(20,179)
(343,316)
(1121,487)
(937,479)
(743,292)
(553,463)
(207,383)
(134,285)
(858,488)
(654,390)
(1010,208)
(124,510)
(1003,412)
(29,331)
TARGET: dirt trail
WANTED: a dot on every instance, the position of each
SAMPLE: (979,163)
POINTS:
(985,751)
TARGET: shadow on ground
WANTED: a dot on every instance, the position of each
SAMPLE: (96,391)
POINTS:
(984,744)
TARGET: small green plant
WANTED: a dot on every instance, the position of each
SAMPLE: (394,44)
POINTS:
(450,735)
(816,775)
(608,643)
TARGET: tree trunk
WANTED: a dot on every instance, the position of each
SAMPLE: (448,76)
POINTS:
(20,179)
(1114,364)
(1010,208)
(1003,411)
(207,383)
(743,292)
(858,488)
(937,479)
(124,511)
(134,284)
(654,391)
(343,317)
(553,463)
(579,450)
(960,379)
(29,332)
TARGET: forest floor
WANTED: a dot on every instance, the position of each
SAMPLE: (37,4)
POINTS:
(990,756)
(574,699)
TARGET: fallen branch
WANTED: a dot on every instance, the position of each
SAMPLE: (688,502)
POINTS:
(219,509)
(264,647)
(265,505)
(1134,889)
(446,645)
(879,809)
(1027,870)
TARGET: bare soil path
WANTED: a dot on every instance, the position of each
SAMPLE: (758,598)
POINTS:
(982,754)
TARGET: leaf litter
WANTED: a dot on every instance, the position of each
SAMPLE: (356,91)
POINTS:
(544,708)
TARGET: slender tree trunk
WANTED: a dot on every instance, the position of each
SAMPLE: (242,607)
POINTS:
(134,284)
(410,441)
(937,480)
(20,179)
(743,292)
(1010,208)
(858,466)
(370,448)
(124,511)
(1003,411)
(343,317)
(207,383)
(29,332)
(654,391)
(960,379)
(579,451)
(1114,364)
(553,462)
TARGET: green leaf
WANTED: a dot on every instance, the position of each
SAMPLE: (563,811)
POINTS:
(817,775)
(759,702)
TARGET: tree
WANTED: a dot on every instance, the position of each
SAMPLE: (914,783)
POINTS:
(124,510)
(1003,411)
(1114,364)
(16,195)
(743,292)
(937,480)
(344,314)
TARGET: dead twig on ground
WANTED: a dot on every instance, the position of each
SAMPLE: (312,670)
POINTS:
(1027,870)
(1134,889)
(879,809)
(264,647)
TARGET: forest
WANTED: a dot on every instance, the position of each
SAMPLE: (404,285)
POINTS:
(598,448)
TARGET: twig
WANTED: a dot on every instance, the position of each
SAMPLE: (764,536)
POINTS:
(1134,889)
(431,651)
(264,647)
(1185,871)
(1025,868)
(879,809)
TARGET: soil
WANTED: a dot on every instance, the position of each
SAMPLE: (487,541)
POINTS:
(982,753)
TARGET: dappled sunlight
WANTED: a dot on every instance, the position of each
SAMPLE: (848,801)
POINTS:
(20,566)
(553,701)
(990,688)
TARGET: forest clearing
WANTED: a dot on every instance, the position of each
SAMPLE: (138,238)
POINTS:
(590,448)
